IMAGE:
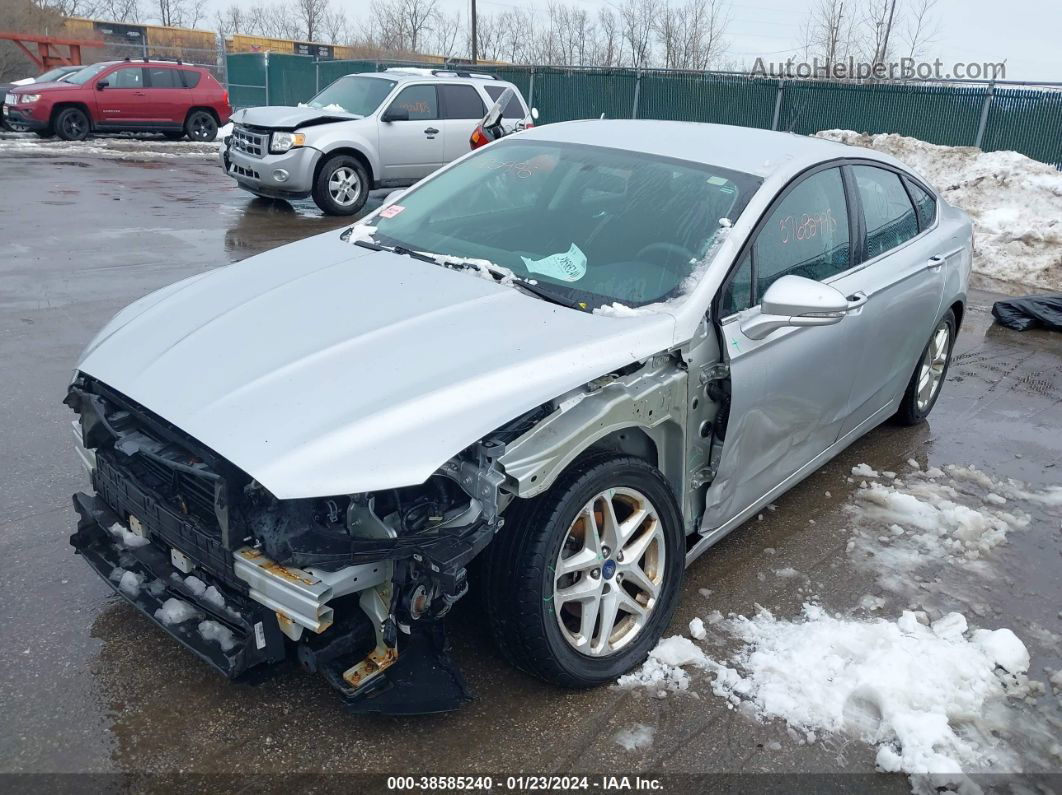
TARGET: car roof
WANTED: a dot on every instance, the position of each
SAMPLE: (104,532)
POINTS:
(403,74)
(747,149)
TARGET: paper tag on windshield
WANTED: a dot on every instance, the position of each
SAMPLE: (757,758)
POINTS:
(569,266)
(391,211)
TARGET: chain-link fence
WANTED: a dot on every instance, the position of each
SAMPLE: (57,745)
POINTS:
(1023,117)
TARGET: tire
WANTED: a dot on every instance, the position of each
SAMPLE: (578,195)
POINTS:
(522,588)
(174,136)
(201,127)
(72,124)
(341,186)
(932,365)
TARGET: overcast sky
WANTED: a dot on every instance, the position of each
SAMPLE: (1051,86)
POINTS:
(1024,33)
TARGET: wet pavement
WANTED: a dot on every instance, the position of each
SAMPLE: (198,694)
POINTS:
(87,684)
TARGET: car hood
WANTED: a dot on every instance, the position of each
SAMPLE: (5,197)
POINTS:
(37,88)
(282,117)
(321,368)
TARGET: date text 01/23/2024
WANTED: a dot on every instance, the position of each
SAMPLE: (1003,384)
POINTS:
(524,783)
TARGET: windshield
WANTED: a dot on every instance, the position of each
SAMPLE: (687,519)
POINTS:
(357,95)
(52,74)
(591,224)
(86,74)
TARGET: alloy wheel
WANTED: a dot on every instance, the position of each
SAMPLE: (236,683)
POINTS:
(203,127)
(344,186)
(933,363)
(610,572)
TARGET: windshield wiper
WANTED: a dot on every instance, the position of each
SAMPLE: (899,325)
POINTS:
(544,294)
(395,250)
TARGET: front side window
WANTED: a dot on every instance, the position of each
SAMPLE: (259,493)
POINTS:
(592,224)
(127,77)
(462,102)
(889,215)
(805,235)
(925,205)
(360,96)
(420,102)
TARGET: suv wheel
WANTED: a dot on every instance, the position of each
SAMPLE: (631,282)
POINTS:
(201,127)
(72,124)
(342,186)
(924,387)
(582,583)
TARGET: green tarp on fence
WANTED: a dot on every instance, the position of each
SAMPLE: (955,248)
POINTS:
(1025,120)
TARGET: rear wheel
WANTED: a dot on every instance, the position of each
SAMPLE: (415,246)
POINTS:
(924,386)
(72,124)
(583,580)
(201,127)
(342,186)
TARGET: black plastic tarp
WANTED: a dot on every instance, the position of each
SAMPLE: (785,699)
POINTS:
(1030,311)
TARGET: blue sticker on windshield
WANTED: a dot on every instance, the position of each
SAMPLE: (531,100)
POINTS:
(569,266)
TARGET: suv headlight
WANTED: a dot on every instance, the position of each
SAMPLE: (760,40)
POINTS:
(20,98)
(283,141)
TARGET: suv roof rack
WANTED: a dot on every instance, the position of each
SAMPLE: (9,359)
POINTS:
(456,73)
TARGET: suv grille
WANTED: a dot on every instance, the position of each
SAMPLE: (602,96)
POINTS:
(253,144)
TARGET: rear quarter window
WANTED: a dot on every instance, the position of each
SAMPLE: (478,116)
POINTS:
(191,78)
(925,204)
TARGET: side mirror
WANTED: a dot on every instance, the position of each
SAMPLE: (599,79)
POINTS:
(796,301)
(395,114)
(101,84)
(534,113)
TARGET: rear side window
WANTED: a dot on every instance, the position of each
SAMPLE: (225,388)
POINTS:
(925,205)
(420,101)
(805,235)
(191,79)
(462,102)
(887,209)
(513,109)
(126,77)
(161,77)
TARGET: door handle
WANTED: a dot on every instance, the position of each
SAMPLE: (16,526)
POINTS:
(856,300)
(431,131)
(138,93)
(936,261)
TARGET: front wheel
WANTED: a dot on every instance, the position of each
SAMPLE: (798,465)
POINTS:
(582,582)
(924,387)
(342,186)
(72,125)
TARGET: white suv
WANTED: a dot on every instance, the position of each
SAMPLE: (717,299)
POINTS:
(364,131)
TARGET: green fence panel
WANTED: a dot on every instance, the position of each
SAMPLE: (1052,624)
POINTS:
(564,94)
(748,102)
(292,78)
(1026,121)
(938,114)
(246,79)
(330,71)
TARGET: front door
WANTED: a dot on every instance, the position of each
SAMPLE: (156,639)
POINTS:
(410,150)
(789,391)
(902,287)
(123,101)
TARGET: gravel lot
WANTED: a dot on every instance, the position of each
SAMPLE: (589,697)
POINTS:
(89,685)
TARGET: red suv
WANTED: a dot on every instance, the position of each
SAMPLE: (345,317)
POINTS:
(124,96)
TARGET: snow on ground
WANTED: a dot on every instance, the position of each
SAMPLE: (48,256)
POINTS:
(636,737)
(935,697)
(1015,203)
(117,148)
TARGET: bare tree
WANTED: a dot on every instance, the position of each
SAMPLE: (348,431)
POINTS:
(310,17)
(637,20)
(609,49)
(920,28)
(447,37)
(119,10)
(830,33)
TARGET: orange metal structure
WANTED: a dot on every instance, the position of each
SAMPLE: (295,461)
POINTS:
(45,57)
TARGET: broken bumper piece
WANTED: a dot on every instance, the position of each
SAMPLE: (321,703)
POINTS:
(234,633)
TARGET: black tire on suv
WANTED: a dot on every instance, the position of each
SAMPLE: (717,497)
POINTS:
(201,126)
(341,186)
(72,124)
(535,597)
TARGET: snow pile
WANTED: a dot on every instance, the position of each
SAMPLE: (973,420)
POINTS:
(218,633)
(921,692)
(1015,202)
(175,611)
(126,537)
(636,737)
(124,148)
(663,671)
(130,583)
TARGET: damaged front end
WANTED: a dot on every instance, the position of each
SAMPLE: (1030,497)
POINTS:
(353,587)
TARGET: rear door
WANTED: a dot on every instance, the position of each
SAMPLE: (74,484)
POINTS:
(901,286)
(461,109)
(789,390)
(166,95)
(122,100)
(410,150)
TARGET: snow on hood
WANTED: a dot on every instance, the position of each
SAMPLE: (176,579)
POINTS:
(288,118)
(320,368)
